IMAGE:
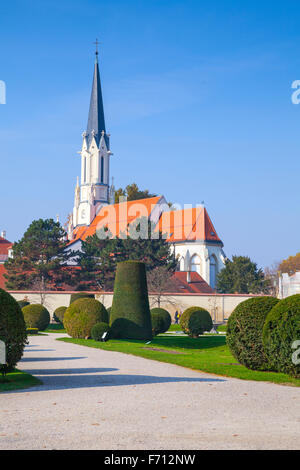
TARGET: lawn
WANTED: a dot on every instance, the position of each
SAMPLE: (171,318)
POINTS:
(17,380)
(55,328)
(206,353)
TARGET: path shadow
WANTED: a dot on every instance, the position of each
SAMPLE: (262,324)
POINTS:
(88,370)
(65,382)
(40,350)
(36,359)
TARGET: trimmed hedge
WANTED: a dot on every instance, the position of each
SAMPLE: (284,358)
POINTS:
(32,331)
(161,320)
(98,330)
(36,316)
(82,315)
(12,330)
(80,295)
(280,333)
(130,314)
(195,321)
(23,303)
(244,332)
(58,314)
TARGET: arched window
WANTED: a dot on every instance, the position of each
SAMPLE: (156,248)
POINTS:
(102,169)
(213,271)
(196,264)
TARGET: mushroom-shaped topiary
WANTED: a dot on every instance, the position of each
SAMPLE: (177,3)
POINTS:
(130,314)
(12,330)
(36,316)
(244,332)
(58,314)
(195,321)
(161,320)
(281,336)
(82,315)
(98,330)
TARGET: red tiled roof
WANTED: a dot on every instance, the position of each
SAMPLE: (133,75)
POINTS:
(197,285)
(5,245)
(181,225)
(187,225)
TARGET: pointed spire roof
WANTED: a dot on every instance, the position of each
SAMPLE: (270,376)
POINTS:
(96,121)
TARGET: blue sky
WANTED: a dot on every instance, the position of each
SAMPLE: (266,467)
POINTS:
(197,98)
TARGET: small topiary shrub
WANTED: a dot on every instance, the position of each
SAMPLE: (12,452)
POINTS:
(161,320)
(58,314)
(82,315)
(281,333)
(23,303)
(32,331)
(195,321)
(36,316)
(98,330)
(244,332)
(12,330)
(81,295)
(130,314)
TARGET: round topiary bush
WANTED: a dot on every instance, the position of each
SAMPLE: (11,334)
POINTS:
(82,315)
(36,316)
(98,330)
(12,330)
(58,314)
(80,295)
(130,314)
(195,321)
(161,320)
(281,335)
(244,332)
(23,303)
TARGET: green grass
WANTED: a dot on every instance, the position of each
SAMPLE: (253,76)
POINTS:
(17,380)
(175,328)
(207,354)
(222,328)
(55,328)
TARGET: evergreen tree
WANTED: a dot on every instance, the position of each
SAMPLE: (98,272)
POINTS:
(242,276)
(39,260)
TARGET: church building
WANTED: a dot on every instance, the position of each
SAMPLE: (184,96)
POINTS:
(190,232)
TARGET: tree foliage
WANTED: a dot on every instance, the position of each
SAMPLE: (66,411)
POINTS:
(39,258)
(241,275)
(99,257)
(132,192)
(290,265)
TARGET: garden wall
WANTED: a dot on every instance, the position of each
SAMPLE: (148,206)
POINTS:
(220,306)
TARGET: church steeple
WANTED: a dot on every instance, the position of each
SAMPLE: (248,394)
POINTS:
(94,189)
(96,120)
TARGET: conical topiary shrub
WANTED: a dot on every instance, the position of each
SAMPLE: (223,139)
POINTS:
(130,314)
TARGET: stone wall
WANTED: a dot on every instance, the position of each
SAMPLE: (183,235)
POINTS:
(220,306)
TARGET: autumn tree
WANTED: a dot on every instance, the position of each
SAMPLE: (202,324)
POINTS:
(132,192)
(290,265)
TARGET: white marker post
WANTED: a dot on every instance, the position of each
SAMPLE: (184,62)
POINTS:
(2,353)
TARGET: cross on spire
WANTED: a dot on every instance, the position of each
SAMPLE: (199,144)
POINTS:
(97,44)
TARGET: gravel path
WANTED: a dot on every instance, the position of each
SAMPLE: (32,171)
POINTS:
(94,399)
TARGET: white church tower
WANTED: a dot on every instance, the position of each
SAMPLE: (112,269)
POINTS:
(93,189)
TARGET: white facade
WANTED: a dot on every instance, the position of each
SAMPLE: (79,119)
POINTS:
(289,285)
(205,258)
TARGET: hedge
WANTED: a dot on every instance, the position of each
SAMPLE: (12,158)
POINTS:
(244,332)
(195,321)
(58,314)
(82,315)
(36,316)
(161,320)
(12,330)
(130,314)
(98,330)
(80,295)
(281,335)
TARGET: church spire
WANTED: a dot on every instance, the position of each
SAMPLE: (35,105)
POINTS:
(96,121)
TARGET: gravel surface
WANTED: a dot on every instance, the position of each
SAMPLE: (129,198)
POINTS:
(94,399)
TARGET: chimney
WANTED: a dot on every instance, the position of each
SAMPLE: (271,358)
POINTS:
(3,234)
(188,277)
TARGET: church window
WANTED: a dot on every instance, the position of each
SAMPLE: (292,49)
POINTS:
(196,264)
(213,271)
(84,170)
(102,169)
